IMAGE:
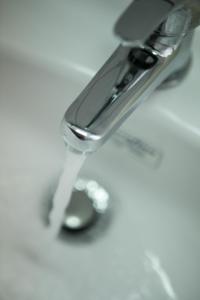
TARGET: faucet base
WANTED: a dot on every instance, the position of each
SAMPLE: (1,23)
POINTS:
(177,77)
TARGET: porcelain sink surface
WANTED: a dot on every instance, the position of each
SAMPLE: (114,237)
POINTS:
(149,247)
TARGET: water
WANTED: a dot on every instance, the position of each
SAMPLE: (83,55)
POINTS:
(72,166)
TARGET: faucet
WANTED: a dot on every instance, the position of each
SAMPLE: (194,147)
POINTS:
(155,45)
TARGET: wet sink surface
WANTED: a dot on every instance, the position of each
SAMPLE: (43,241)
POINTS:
(149,248)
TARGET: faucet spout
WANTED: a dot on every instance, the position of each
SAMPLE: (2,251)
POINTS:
(130,75)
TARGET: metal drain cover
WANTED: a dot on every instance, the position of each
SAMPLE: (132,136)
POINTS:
(89,200)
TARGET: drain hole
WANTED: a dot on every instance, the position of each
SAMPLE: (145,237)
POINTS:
(88,203)
(80,213)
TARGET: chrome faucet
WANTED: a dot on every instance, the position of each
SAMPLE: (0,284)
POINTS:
(156,37)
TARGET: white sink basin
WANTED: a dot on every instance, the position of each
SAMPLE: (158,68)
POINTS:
(150,248)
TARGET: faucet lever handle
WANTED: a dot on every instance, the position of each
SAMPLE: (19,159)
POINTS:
(141,19)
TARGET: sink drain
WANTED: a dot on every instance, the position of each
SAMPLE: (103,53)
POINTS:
(88,202)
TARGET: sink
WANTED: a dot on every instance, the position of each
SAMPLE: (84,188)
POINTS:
(149,248)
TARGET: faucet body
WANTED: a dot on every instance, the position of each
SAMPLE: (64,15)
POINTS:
(156,37)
